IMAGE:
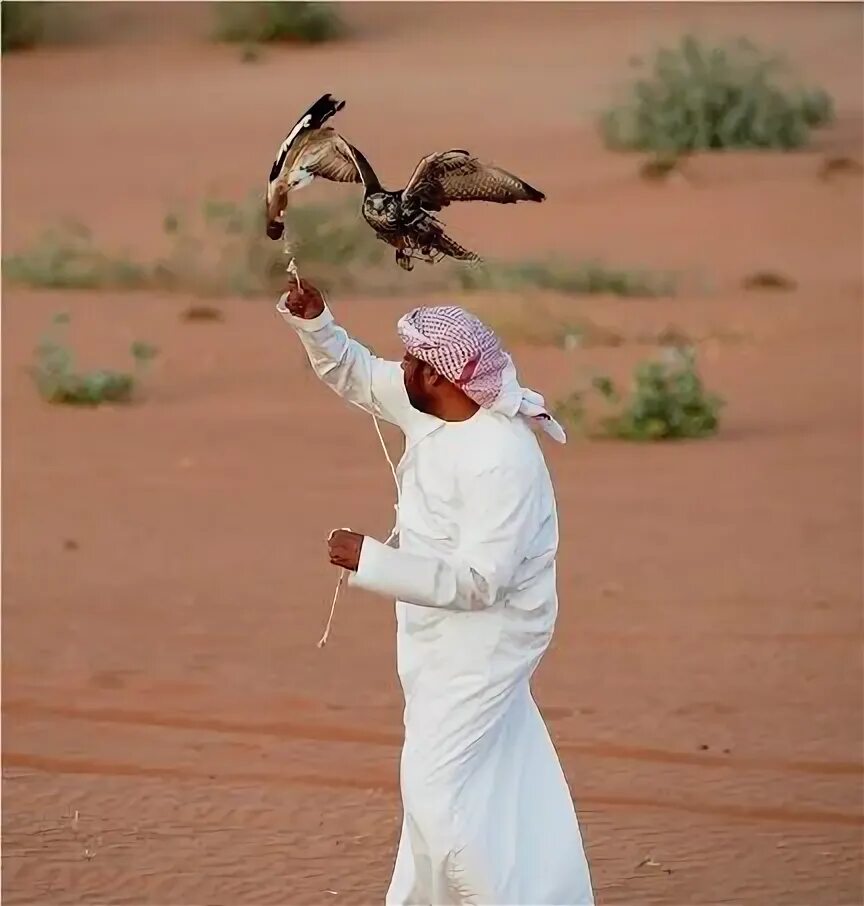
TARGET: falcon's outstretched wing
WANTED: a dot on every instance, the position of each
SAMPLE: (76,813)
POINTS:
(297,143)
(314,118)
(322,153)
(457,176)
(319,153)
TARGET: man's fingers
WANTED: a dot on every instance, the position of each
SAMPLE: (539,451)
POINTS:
(294,301)
(340,558)
(344,549)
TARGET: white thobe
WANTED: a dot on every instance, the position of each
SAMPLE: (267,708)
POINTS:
(488,817)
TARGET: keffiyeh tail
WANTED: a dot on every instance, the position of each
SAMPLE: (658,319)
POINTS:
(461,348)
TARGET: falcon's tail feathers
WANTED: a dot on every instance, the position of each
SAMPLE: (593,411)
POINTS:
(452,249)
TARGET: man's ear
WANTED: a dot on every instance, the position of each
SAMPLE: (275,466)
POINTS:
(430,375)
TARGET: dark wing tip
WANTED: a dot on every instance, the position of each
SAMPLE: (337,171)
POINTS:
(321,111)
(532,193)
(333,102)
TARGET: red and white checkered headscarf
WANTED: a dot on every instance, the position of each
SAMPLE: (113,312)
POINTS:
(462,349)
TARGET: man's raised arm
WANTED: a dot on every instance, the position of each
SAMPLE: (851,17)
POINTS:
(349,368)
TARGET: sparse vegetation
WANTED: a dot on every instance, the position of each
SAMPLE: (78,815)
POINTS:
(251,53)
(202,313)
(536,324)
(839,166)
(700,96)
(667,401)
(663,168)
(28,23)
(21,23)
(269,21)
(769,280)
(58,381)
(587,278)
(67,258)
(221,250)
(560,323)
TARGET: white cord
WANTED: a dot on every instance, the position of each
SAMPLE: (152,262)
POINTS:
(342,572)
(392,534)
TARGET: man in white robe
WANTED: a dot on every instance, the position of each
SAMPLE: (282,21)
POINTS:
(488,817)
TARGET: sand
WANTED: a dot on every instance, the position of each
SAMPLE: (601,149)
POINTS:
(171,734)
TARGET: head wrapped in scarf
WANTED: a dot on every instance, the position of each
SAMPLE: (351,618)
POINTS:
(462,349)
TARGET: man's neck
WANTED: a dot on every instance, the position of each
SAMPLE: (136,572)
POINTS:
(455,408)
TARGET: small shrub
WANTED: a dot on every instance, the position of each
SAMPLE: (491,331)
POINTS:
(271,20)
(28,23)
(769,280)
(21,23)
(699,97)
(838,166)
(67,258)
(202,313)
(667,401)
(662,168)
(58,382)
(570,411)
(587,278)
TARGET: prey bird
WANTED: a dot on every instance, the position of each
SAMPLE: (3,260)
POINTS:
(403,218)
(309,150)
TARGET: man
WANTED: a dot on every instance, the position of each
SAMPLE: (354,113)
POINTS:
(488,817)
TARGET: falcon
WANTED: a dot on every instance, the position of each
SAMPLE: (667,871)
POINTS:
(404,218)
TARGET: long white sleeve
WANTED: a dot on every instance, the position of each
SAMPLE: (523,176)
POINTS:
(349,368)
(499,518)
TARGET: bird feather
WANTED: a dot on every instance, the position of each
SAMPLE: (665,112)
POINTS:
(458,176)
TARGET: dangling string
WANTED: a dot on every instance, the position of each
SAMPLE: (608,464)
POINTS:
(343,572)
(292,269)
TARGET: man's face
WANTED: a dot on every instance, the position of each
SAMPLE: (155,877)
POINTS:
(417,384)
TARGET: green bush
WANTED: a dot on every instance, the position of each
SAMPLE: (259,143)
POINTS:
(66,257)
(21,23)
(699,96)
(29,23)
(58,382)
(272,20)
(667,401)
